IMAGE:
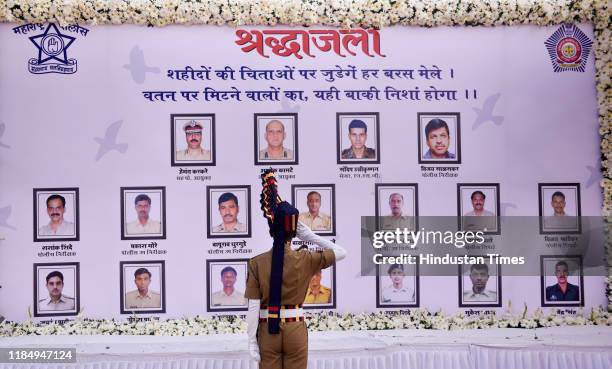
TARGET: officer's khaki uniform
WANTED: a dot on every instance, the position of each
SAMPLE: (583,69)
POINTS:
(289,348)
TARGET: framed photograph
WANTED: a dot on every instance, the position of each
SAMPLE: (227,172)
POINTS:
(480,285)
(276,139)
(561,280)
(143,213)
(439,138)
(56,214)
(559,208)
(143,287)
(358,138)
(225,285)
(321,293)
(193,139)
(397,285)
(319,201)
(478,207)
(229,211)
(397,206)
(56,289)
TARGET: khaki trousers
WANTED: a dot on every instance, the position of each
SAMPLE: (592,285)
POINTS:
(286,350)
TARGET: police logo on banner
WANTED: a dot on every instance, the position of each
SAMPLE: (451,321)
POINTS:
(52,46)
(568,48)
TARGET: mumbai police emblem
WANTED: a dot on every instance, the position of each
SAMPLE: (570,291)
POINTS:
(568,48)
(52,48)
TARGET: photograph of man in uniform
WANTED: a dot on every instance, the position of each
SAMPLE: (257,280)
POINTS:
(56,300)
(478,205)
(436,141)
(478,291)
(360,132)
(142,297)
(193,136)
(317,293)
(143,224)
(562,290)
(193,140)
(397,292)
(228,295)
(228,209)
(57,226)
(358,135)
(559,208)
(56,289)
(314,218)
(56,214)
(275,137)
(396,218)
(559,219)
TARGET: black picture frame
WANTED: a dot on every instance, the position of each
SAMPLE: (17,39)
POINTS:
(212,205)
(123,292)
(377,201)
(543,301)
(295,138)
(209,292)
(542,218)
(422,144)
(332,304)
(480,304)
(461,211)
(77,283)
(332,205)
(394,305)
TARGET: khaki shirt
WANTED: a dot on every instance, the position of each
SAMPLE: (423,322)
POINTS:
(186,155)
(298,269)
(324,296)
(64,303)
(64,229)
(239,227)
(392,223)
(322,222)
(219,298)
(133,300)
(150,227)
(265,155)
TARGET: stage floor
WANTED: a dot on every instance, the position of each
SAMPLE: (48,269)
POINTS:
(581,347)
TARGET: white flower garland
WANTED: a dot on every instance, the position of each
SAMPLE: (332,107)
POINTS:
(324,321)
(356,13)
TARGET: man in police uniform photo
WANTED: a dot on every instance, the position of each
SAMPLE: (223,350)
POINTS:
(277,284)
(142,297)
(479,218)
(479,275)
(396,218)
(229,209)
(56,301)
(317,293)
(562,290)
(314,218)
(229,295)
(143,224)
(193,136)
(275,137)
(57,226)
(397,292)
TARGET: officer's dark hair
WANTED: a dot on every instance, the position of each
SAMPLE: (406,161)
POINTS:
(228,269)
(313,193)
(55,273)
(395,266)
(142,197)
(356,123)
(484,267)
(434,124)
(562,263)
(56,197)
(559,194)
(476,193)
(140,271)
(227,197)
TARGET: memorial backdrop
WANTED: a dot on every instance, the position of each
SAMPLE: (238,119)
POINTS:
(102,115)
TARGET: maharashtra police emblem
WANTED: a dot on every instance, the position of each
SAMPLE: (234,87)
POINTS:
(52,57)
(568,48)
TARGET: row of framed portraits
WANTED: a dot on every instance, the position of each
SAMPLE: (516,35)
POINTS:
(143,209)
(276,138)
(143,286)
